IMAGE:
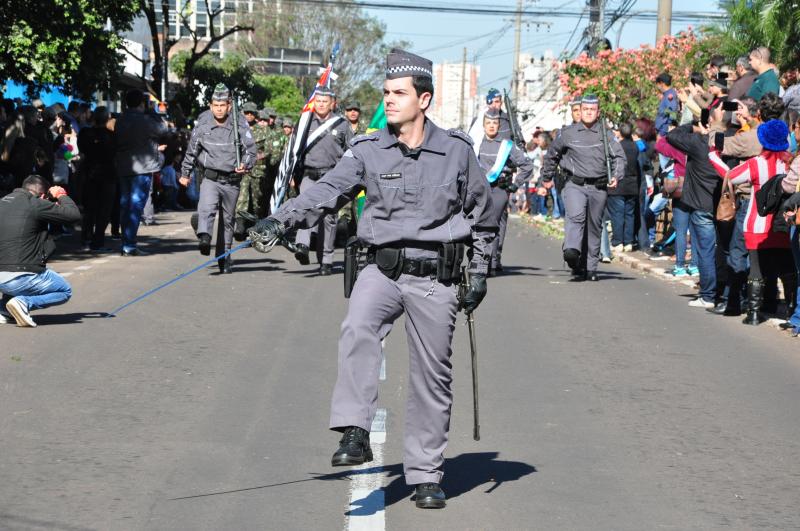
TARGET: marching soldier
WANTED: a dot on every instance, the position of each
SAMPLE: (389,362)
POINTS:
(499,158)
(426,198)
(212,154)
(328,137)
(352,112)
(274,145)
(288,127)
(251,189)
(580,152)
(494,103)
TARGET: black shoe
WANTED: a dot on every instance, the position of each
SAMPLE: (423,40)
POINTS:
(325,270)
(786,326)
(133,252)
(205,244)
(720,309)
(578,275)
(499,267)
(353,448)
(573,258)
(115,236)
(592,276)
(239,232)
(302,254)
(225,265)
(430,496)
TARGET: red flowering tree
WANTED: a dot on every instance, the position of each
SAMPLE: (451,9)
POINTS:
(624,79)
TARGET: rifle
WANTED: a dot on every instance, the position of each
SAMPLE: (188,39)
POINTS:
(606,149)
(516,137)
(237,140)
(473,347)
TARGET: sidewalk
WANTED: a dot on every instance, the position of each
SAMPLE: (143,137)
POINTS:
(658,267)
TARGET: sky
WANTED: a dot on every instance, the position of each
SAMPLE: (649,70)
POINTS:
(441,37)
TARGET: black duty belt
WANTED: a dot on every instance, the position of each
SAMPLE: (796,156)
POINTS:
(315,173)
(586,181)
(222,177)
(417,267)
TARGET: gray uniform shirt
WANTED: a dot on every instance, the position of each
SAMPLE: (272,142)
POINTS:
(516,159)
(136,136)
(329,148)
(579,151)
(435,193)
(212,146)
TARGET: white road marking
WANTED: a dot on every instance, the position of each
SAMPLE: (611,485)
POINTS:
(100,261)
(67,274)
(367,502)
(83,268)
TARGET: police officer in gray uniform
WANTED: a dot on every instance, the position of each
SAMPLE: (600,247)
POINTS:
(580,152)
(426,198)
(499,175)
(212,154)
(328,137)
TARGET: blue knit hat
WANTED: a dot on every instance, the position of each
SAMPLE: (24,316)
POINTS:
(774,135)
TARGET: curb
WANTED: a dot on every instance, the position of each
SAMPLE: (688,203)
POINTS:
(556,230)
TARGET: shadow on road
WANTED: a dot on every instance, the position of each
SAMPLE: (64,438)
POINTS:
(66,318)
(465,473)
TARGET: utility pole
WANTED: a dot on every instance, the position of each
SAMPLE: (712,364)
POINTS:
(463,86)
(664,24)
(515,69)
(596,29)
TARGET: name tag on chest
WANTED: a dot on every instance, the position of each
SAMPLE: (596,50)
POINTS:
(391,175)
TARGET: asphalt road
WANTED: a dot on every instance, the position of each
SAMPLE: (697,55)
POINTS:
(605,406)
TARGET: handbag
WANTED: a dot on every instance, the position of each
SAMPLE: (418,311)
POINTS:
(671,186)
(726,208)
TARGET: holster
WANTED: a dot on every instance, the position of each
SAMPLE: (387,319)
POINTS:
(448,263)
(352,264)
(390,261)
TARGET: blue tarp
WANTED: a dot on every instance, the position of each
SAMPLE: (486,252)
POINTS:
(49,96)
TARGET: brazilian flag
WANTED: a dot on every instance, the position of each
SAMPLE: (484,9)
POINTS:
(378,122)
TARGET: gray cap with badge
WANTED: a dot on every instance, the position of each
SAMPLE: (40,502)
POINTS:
(221,93)
(400,63)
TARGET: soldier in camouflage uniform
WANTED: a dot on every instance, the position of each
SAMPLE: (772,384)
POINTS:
(274,144)
(251,194)
(348,215)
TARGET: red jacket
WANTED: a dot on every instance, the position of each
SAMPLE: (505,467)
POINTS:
(758,233)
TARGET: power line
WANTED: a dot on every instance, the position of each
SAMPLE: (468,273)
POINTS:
(685,16)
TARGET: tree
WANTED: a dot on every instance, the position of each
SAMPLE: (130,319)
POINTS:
(752,23)
(202,44)
(294,25)
(64,42)
(623,79)
(281,93)
(368,96)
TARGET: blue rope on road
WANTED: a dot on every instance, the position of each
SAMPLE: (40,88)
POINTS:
(162,286)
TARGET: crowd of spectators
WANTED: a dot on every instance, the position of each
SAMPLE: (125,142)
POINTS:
(716,171)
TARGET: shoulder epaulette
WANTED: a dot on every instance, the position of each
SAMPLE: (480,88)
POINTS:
(362,138)
(458,133)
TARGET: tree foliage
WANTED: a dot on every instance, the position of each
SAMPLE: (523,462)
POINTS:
(63,42)
(623,79)
(752,23)
(278,92)
(296,25)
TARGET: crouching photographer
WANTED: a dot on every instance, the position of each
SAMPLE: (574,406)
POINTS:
(25,282)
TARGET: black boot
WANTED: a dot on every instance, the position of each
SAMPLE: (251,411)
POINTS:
(755,297)
(790,293)
(353,448)
(573,258)
(430,496)
(325,270)
(302,254)
(239,230)
(225,265)
(205,244)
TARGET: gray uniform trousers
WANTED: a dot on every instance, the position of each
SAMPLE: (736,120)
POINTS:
(212,194)
(584,207)
(430,308)
(325,231)
(500,215)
